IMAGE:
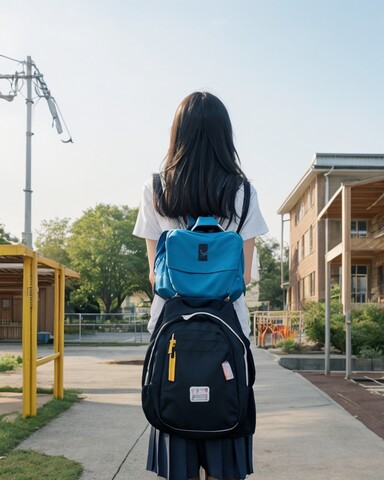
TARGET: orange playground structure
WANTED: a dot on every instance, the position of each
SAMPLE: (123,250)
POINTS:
(271,327)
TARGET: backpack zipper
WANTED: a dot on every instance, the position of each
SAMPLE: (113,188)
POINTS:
(172,359)
(149,365)
(187,317)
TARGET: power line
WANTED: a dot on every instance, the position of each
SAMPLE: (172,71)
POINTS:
(10,58)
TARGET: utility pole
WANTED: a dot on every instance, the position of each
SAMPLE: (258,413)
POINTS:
(27,234)
(41,87)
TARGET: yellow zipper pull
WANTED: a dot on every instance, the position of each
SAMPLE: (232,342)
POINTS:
(172,359)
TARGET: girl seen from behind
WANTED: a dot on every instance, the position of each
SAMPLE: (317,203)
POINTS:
(201,176)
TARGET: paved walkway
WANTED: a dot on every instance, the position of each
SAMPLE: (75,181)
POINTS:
(301,433)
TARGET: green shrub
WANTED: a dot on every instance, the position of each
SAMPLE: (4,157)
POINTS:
(289,345)
(369,352)
(337,329)
(367,328)
(314,323)
(10,362)
(370,311)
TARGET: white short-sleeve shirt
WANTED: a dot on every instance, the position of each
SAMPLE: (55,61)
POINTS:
(150,225)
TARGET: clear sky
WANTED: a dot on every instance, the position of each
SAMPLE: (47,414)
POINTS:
(297,76)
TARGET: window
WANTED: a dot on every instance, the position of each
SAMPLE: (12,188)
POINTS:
(312,284)
(359,283)
(308,286)
(308,242)
(301,289)
(6,303)
(311,239)
(5,310)
(312,194)
(308,199)
(300,210)
(380,279)
(358,228)
(295,256)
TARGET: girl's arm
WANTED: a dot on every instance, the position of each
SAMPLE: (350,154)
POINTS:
(248,249)
(151,251)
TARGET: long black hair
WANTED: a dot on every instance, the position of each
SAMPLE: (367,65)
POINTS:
(202,170)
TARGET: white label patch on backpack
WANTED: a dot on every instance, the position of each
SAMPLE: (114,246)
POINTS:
(199,394)
(228,373)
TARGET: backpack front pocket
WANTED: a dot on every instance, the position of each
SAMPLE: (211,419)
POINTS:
(200,394)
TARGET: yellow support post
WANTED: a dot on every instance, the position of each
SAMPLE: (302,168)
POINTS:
(26,335)
(56,334)
(30,286)
(34,315)
(61,330)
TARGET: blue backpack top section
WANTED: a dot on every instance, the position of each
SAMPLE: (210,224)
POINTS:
(205,262)
(202,262)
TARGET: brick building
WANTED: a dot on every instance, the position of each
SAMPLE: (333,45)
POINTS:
(336,218)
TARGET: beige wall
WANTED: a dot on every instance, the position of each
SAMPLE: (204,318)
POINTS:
(302,263)
(303,245)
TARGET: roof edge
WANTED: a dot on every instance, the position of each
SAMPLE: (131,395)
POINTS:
(336,161)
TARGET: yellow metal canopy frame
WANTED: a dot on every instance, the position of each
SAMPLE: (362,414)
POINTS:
(33,265)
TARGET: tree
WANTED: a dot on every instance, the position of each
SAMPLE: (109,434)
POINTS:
(270,273)
(52,242)
(111,261)
(52,238)
(5,237)
(79,299)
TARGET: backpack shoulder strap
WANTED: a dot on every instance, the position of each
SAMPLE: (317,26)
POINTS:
(246,202)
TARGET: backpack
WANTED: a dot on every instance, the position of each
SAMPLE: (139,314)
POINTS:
(198,372)
(203,261)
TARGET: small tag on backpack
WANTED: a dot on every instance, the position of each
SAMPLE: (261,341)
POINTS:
(199,394)
(203,252)
(228,374)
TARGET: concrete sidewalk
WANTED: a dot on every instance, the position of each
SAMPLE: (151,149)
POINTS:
(301,433)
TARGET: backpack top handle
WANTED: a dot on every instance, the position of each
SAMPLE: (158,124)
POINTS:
(207,224)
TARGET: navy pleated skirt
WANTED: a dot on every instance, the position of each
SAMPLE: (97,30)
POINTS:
(176,458)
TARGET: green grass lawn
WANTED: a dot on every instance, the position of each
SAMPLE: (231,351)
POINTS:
(30,465)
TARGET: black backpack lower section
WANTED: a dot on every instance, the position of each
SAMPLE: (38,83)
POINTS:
(199,372)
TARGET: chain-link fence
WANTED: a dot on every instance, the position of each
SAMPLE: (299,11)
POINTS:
(127,328)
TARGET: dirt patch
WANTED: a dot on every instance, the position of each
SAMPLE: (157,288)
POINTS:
(11,402)
(125,362)
(356,396)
